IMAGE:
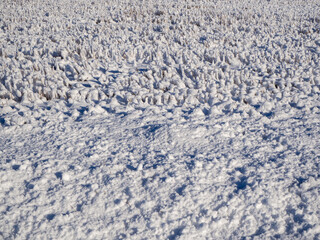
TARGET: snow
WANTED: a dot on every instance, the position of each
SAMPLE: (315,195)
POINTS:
(159,120)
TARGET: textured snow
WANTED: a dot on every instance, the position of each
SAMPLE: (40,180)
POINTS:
(159,120)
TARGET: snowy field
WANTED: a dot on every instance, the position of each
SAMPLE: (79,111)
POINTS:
(159,119)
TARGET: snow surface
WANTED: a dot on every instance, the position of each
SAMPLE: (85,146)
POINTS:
(159,120)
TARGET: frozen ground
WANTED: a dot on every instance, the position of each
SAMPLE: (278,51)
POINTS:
(159,120)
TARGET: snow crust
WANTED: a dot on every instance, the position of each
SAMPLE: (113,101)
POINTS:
(159,119)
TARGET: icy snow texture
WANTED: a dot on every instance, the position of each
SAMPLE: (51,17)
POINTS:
(159,120)
(160,176)
(160,54)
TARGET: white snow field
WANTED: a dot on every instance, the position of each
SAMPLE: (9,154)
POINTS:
(159,119)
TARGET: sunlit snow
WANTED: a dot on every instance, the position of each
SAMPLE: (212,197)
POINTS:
(159,119)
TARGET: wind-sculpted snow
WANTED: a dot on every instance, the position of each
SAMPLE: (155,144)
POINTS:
(257,55)
(159,119)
